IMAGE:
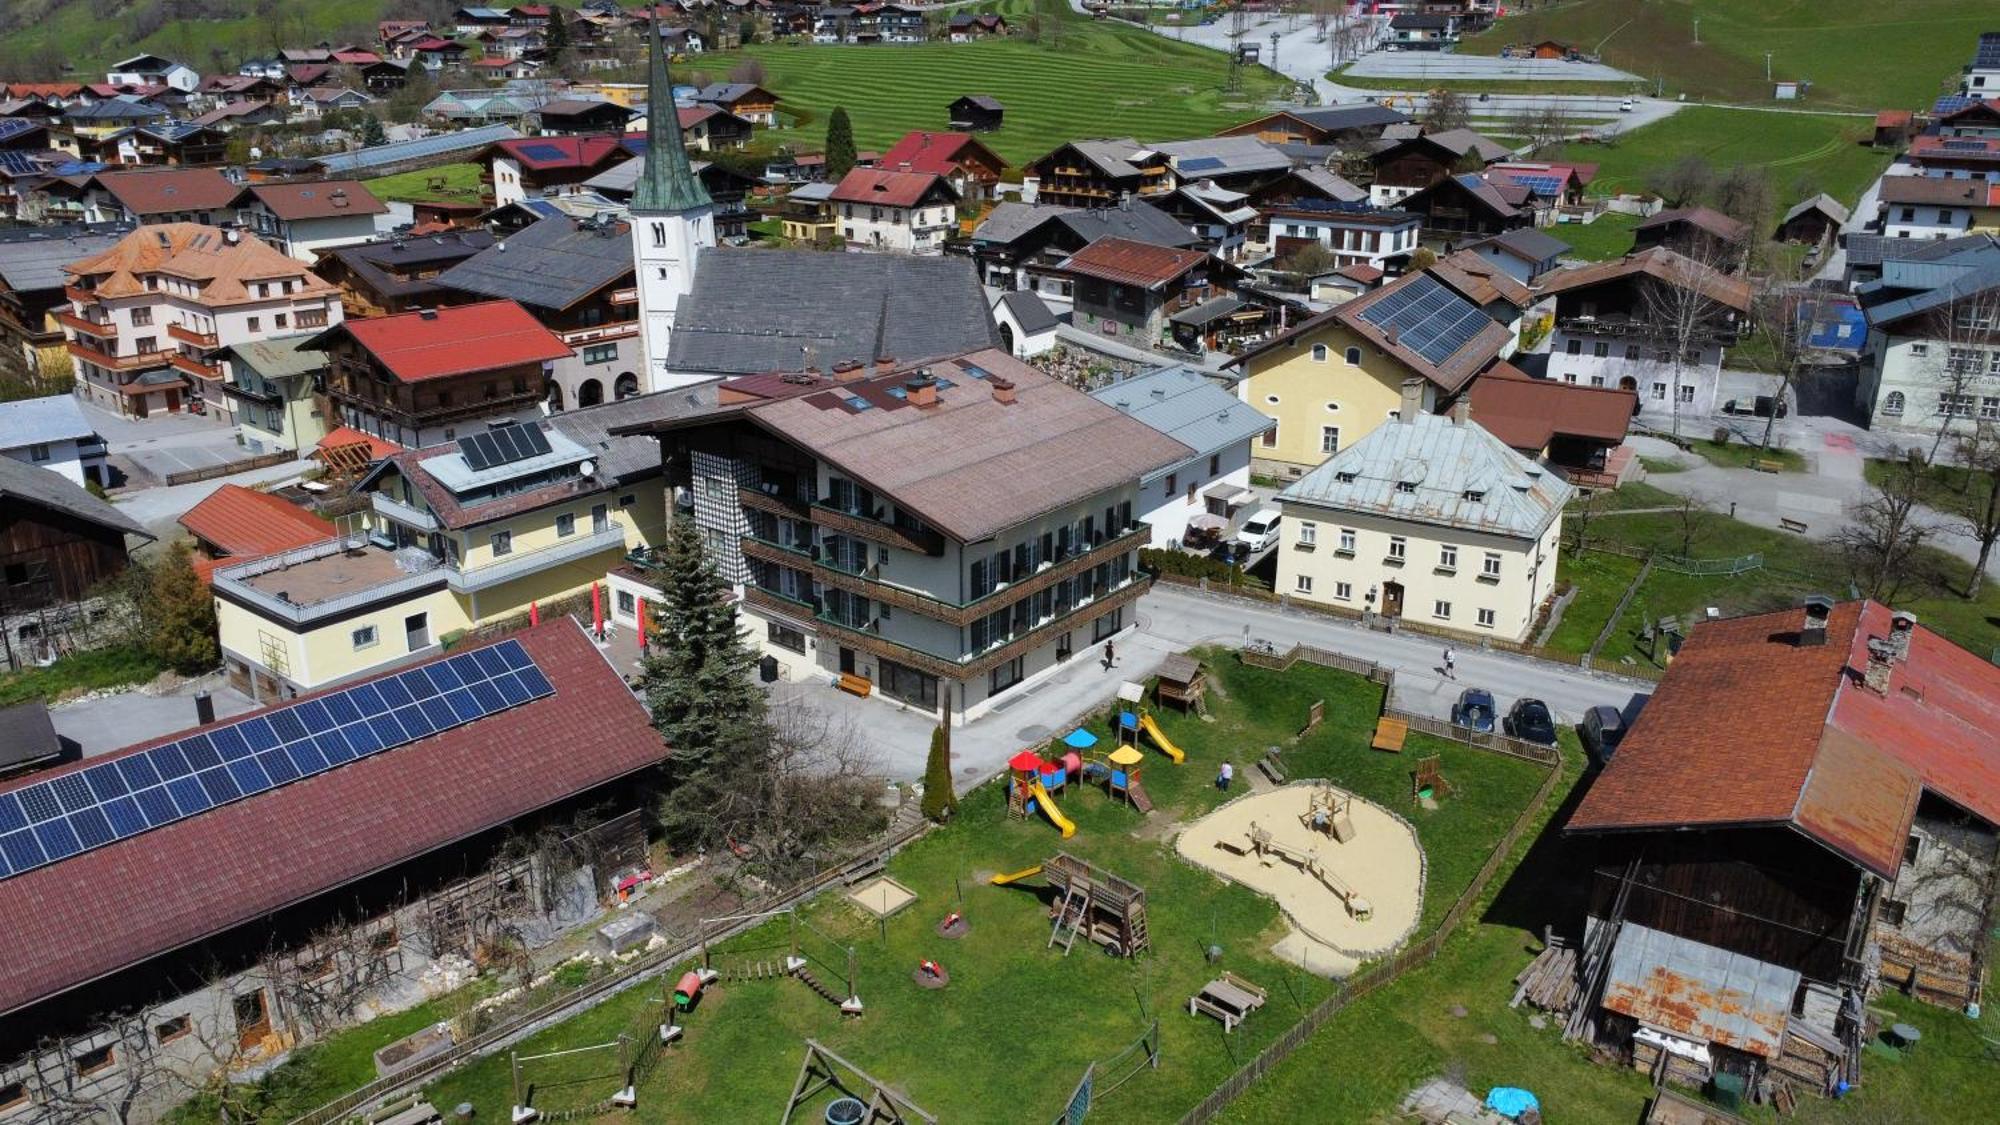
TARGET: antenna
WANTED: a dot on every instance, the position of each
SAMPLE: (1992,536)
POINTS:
(1238,20)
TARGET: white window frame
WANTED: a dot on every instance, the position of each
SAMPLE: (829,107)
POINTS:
(1304,583)
(366,637)
(1346,541)
(1487,618)
(1448,556)
(1308,534)
(1441,609)
(1489,567)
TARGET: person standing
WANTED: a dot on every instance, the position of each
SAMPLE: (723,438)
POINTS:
(1450,664)
(1222,779)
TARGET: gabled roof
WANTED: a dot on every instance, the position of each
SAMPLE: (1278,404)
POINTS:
(32,421)
(211,872)
(1938,191)
(247,523)
(1481,281)
(456,340)
(1431,469)
(436,147)
(1122,261)
(1465,141)
(168,190)
(552,264)
(1186,405)
(384,265)
(1824,754)
(1823,203)
(981,101)
(1705,219)
(942,153)
(543,153)
(22,483)
(1420,320)
(1528,413)
(1334,185)
(1133,221)
(1222,156)
(1530,244)
(1334,119)
(1029,311)
(1486,193)
(889,189)
(1662,265)
(322,199)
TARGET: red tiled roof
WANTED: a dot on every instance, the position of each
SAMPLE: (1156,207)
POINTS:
(1125,262)
(247,523)
(562,152)
(938,153)
(1893,118)
(455,340)
(1527,413)
(218,870)
(378,448)
(1748,728)
(884,188)
(1982,149)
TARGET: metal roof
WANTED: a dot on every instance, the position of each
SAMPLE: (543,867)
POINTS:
(1211,156)
(441,145)
(1432,470)
(1699,992)
(37,260)
(32,421)
(550,265)
(1185,405)
(279,357)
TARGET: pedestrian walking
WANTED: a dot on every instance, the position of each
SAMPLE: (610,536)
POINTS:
(1450,664)
(1222,779)
(1110,656)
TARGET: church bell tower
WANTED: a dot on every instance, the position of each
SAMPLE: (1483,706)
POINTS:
(673,221)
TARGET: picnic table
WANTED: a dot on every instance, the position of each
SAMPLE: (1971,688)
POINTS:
(1228,998)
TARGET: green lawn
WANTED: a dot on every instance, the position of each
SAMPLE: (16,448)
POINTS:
(1944,487)
(89,34)
(1664,464)
(1858,54)
(1012,1003)
(1737,455)
(1608,236)
(1600,580)
(84,671)
(446,183)
(1803,153)
(315,1075)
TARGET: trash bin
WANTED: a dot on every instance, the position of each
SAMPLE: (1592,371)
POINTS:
(1727,1089)
(767,669)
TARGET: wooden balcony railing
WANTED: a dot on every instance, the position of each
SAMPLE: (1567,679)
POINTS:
(104,359)
(868,584)
(188,335)
(86,327)
(926,542)
(188,365)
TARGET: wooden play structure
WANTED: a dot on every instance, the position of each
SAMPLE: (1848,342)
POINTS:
(1122,780)
(1259,842)
(1330,812)
(1028,790)
(1094,904)
(1389,734)
(1228,998)
(822,1069)
(1428,780)
(1183,683)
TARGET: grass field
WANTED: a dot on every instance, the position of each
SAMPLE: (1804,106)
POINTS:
(90,34)
(1737,455)
(1019,1022)
(1803,153)
(1608,236)
(1859,55)
(82,671)
(461,184)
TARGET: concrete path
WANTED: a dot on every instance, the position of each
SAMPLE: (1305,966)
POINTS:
(113,722)
(1439,65)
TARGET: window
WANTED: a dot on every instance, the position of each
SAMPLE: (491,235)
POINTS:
(1441,610)
(1006,675)
(600,519)
(1269,438)
(38,453)
(1597,380)
(145,344)
(1920,350)
(1989,408)
(166,1031)
(1173,484)
(627,604)
(628,500)
(1574,347)
(1398,548)
(1601,349)
(364,637)
(1893,912)
(1319,353)
(1406,486)
(277,320)
(253,323)
(565,525)
(1329,439)
(1660,391)
(1944,216)
(1214,464)
(1912,847)
(1447,556)
(95,1059)
(1485,619)
(786,637)
(1909,215)
(1474,496)
(503,543)
(142,317)
(1308,534)
(1632,353)
(1305,584)
(1346,541)
(659,234)
(1954,406)
(1687,392)
(1354,357)
(1343,591)
(1490,566)
(600,353)
(13,1094)
(1892,405)
(1108,625)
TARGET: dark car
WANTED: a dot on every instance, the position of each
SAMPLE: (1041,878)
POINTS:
(1530,721)
(1601,730)
(1475,709)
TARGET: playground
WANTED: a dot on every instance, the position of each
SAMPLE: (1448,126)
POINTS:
(978,999)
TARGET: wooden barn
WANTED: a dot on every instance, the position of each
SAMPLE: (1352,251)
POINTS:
(57,543)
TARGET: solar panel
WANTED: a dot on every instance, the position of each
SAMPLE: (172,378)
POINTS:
(1201,163)
(94,806)
(543,152)
(1427,317)
(503,445)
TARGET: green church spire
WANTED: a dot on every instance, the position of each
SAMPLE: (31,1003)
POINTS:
(668,184)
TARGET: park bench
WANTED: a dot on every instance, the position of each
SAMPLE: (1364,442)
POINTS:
(1269,764)
(1228,998)
(1790,524)
(410,1110)
(1766,465)
(855,685)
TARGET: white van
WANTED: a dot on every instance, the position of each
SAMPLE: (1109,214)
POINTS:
(1259,531)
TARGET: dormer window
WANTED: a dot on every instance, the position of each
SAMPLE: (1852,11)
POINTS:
(1475,496)
(1344,478)
(1406,486)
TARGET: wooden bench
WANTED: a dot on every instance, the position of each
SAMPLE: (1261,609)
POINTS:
(1272,769)
(411,1110)
(1766,465)
(1790,524)
(1389,735)
(1228,998)
(855,685)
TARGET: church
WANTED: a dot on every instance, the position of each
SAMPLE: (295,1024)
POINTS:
(709,313)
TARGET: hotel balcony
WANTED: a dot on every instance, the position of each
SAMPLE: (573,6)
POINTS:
(188,365)
(139,362)
(520,564)
(85,327)
(188,335)
(599,334)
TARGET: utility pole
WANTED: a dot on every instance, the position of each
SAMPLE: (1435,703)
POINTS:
(1767,66)
(1697,31)
(1236,32)
(1272,62)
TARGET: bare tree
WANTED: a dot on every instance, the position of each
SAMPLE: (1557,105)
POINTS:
(815,791)
(1684,316)
(1545,128)
(750,70)
(1785,319)
(1692,520)
(1885,533)
(1956,364)
(67,1091)
(1444,109)
(1976,514)
(1683,182)
(1584,512)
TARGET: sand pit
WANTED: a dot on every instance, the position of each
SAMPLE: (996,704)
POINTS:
(1382,864)
(882,897)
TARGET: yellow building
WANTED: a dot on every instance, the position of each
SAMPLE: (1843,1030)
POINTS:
(455,537)
(1337,376)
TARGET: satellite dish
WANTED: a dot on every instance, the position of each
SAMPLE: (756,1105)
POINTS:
(588,468)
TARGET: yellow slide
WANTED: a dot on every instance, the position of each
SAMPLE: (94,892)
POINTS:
(1024,873)
(1160,739)
(1055,814)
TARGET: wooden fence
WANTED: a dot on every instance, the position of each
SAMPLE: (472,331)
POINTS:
(593,992)
(1423,952)
(261,461)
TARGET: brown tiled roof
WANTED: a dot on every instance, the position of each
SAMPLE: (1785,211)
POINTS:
(215,871)
(248,523)
(1527,413)
(1934,191)
(1480,280)
(1456,370)
(883,188)
(222,268)
(1659,263)
(167,190)
(1702,218)
(1748,728)
(323,199)
(1125,262)
(1893,118)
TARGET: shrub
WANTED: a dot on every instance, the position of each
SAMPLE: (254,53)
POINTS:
(939,801)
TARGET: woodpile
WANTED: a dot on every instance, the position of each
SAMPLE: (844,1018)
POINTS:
(1550,980)
(1936,977)
(1808,1060)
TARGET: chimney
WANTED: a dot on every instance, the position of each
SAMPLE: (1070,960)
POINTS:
(1881,663)
(1003,390)
(884,364)
(1413,400)
(921,391)
(1461,411)
(427,314)
(848,371)
(1902,625)
(1818,609)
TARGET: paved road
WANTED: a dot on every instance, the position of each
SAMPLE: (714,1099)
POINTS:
(113,722)
(158,508)
(1441,65)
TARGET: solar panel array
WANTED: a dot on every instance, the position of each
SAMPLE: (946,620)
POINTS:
(1542,185)
(543,151)
(1951,103)
(1987,54)
(1427,317)
(1201,163)
(503,445)
(64,816)
(17,163)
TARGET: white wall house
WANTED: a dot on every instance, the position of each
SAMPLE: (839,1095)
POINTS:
(1383,239)
(1428,518)
(153,70)
(304,219)
(1212,486)
(913,212)
(53,433)
(1934,355)
(1929,207)
(1027,326)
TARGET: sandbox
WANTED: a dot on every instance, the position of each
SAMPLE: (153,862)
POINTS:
(1382,866)
(882,897)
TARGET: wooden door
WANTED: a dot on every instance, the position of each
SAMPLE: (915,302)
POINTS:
(1392,599)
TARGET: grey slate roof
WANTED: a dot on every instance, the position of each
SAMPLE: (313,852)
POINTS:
(1335,185)
(32,421)
(1030,312)
(1140,222)
(754,311)
(550,265)
(33,258)
(1445,460)
(622,179)
(1222,156)
(1335,118)
(27,735)
(1531,244)
(1832,207)
(628,457)
(1187,406)
(1009,221)
(24,483)
(372,260)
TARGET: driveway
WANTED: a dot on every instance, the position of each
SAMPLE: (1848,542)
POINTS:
(159,508)
(147,450)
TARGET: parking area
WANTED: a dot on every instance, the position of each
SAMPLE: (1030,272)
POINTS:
(99,726)
(145,451)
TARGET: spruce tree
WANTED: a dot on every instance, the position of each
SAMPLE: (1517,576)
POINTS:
(178,613)
(371,130)
(939,801)
(839,144)
(556,41)
(699,688)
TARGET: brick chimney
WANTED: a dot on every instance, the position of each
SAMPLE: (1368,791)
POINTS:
(884,364)
(1818,610)
(921,391)
(1902,626)
(849,370)
(1413,400)
(1461,410)
(1881,665)
(1003,390)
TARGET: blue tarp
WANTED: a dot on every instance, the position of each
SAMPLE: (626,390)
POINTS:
(1510,1101)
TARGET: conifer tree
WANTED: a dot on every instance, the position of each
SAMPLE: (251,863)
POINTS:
(939,801)
(839,144)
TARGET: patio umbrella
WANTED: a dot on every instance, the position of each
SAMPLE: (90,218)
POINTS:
(596,610)
(641,611)
(1208,521)
(534,614)
(1080,739)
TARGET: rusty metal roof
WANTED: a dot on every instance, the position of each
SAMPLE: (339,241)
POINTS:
(1699,992)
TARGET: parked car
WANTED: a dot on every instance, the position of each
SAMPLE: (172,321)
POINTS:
(1602,728)
(1530,721)
(1625,106)
(1260,530)
(1475,709)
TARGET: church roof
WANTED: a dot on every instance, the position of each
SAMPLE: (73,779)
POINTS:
(667,184)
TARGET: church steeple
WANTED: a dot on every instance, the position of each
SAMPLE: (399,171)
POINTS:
(668,184)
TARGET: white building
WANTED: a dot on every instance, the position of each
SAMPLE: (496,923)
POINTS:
(1210,488)
(153,70)
(673,221)
(1027,326)
(303,219)
(1929,207)
(1982,77)
(1934,338)
(53,433)
(1428,518)
(912,212)
(1357,234)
